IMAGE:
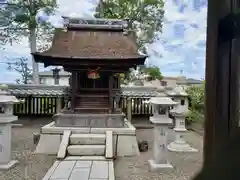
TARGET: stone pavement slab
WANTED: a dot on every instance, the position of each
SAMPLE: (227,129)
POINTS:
(80,173)
(99,170)
(63,171)
(83,164)
(84,170)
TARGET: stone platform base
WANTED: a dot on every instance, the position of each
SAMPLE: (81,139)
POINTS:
(124,139)
(89,120)
(9,165)
(154,166)
(180,147)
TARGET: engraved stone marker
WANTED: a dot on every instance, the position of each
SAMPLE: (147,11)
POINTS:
(6,118)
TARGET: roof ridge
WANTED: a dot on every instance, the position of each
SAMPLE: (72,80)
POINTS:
(95,23)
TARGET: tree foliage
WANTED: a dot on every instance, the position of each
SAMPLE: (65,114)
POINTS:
(21,67)
(145,16)
(196,97)
(153,72)
(19,18)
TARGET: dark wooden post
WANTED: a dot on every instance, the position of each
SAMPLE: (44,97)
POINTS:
(119,81)
(56,76)
(234,79)
(74,89)
(220,82)
(29,103)
(110,86)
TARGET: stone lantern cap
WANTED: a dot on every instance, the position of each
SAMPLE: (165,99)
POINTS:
(177,91)
(179,111)
(162,101)
(6,97)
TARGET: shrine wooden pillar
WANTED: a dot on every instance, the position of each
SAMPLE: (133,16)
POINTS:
(110,86)
(73,85)
(221,92)
(119,82)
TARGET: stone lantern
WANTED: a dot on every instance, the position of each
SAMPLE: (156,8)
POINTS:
(180,145)
(161,120)
(6,119)
(179,95)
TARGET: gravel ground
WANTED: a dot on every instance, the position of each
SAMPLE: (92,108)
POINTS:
(34,167)
(185,164)
(30,166)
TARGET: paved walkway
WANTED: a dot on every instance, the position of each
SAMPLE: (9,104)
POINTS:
(84,170)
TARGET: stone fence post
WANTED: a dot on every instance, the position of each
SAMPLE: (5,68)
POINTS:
(129,109)
(59,104)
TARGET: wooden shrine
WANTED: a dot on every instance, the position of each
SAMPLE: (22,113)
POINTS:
(94,52)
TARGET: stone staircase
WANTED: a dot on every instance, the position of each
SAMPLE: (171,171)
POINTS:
(84,156)
(86,145)
(92,104)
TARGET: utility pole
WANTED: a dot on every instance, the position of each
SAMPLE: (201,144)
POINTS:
(99,10)
(101,13)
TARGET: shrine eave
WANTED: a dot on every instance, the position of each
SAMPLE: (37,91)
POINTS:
(56,60)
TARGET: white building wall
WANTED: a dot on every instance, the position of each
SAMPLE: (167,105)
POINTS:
(49,81)
(63,81)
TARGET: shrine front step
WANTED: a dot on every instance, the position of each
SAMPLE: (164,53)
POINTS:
(87,145)
(93,102)
(91,109)
(78,145)
(86,150)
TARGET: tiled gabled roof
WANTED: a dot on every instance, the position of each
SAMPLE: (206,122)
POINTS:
(140,91)
(43,90)
(89,45)
(126,91)
(35,90)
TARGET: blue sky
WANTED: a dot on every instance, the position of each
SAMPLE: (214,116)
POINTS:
(181,43)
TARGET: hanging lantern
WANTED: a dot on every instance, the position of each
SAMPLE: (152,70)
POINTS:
(93,74)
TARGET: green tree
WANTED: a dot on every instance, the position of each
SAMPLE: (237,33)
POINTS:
(19,19)
(145,17)
(153,72)
(20,66)
(196,97)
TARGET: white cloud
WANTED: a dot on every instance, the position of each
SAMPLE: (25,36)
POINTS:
(182,53)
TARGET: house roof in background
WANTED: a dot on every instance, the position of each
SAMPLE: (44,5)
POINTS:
(193,81)
(174,78)
(183,80)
